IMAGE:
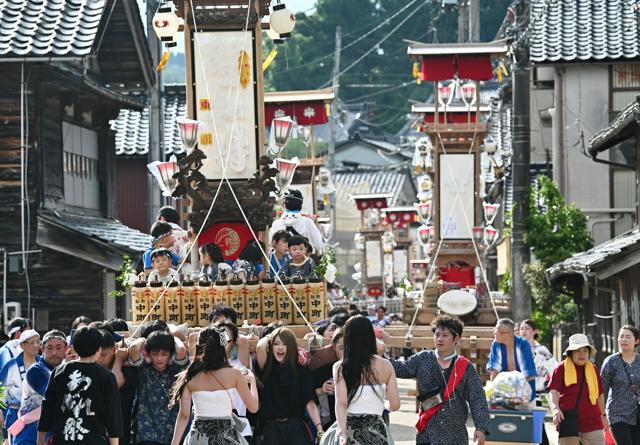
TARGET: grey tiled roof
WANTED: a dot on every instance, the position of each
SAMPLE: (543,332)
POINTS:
(590,260)
(500,131)
(622,127)
(365,181)
(568,30)
(132,127)
(48,28)
(107,230)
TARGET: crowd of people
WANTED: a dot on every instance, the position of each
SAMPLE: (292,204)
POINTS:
(160,385)
(164,386)
(295,242)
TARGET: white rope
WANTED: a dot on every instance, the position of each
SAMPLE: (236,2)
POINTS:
(466,219)
(215,197)
(225,163)
(224,175)
(475,247)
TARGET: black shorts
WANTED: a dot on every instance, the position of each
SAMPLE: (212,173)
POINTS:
(292,431)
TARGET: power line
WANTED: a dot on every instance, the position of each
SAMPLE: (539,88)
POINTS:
(352,32)
(359,59)
(367,34)
(397,87)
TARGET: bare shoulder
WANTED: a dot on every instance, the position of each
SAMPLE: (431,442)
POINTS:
(383,367)
(336,367)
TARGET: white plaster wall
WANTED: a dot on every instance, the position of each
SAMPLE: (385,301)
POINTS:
(586,104)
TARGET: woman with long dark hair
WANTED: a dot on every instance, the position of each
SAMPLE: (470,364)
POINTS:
(361,380)
(288,391)
(207,382)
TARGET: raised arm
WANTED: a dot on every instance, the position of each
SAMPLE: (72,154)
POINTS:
(393,394)
(408,369)
(243,349)
(135,351)
(262,349)
(181,350)
(248,390)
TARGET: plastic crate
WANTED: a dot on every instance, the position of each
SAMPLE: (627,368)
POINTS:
(516,426)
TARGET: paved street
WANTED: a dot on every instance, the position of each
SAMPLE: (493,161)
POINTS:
(403,421)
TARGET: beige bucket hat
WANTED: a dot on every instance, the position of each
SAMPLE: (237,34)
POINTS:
(577,341)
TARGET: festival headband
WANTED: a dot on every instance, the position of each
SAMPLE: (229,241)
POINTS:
(222,334)
(157,238)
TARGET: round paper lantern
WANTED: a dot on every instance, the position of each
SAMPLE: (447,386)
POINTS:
(166,23)
(282,20)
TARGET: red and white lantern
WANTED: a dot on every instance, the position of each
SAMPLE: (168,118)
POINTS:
(490,211)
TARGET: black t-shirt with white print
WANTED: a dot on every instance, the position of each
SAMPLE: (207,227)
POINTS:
(81,405)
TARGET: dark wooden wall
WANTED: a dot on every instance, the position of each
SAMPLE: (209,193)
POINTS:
(132,192)
(50,138)
(62,285)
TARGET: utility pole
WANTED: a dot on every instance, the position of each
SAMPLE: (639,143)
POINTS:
(463,21)
(474,20)
(155,113)
(334,105)
(520,255)
(331,154)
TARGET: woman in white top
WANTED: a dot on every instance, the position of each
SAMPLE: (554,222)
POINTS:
(361,380)
(237,350)
(208,381)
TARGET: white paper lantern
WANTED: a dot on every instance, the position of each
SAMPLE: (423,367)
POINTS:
(166,24)
(282,20)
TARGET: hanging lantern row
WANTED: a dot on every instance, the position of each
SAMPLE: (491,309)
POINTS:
(280,134)
(188,132)
(286,169)
(490,211)
(424,211)
(446,93)
(485,236)
(165,173)
(426,234)
(468,93)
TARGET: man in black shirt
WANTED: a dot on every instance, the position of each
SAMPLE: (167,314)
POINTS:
(81,405)
(114,359)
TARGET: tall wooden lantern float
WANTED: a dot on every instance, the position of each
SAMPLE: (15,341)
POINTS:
(231,177)
(376,243)
(447,159)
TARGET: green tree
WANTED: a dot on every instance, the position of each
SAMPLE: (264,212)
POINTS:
(554,230)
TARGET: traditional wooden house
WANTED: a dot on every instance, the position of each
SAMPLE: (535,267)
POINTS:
(65,67)
(132,148)
(604,279)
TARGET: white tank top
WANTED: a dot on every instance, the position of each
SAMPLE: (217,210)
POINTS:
(211,403)
(368,400)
